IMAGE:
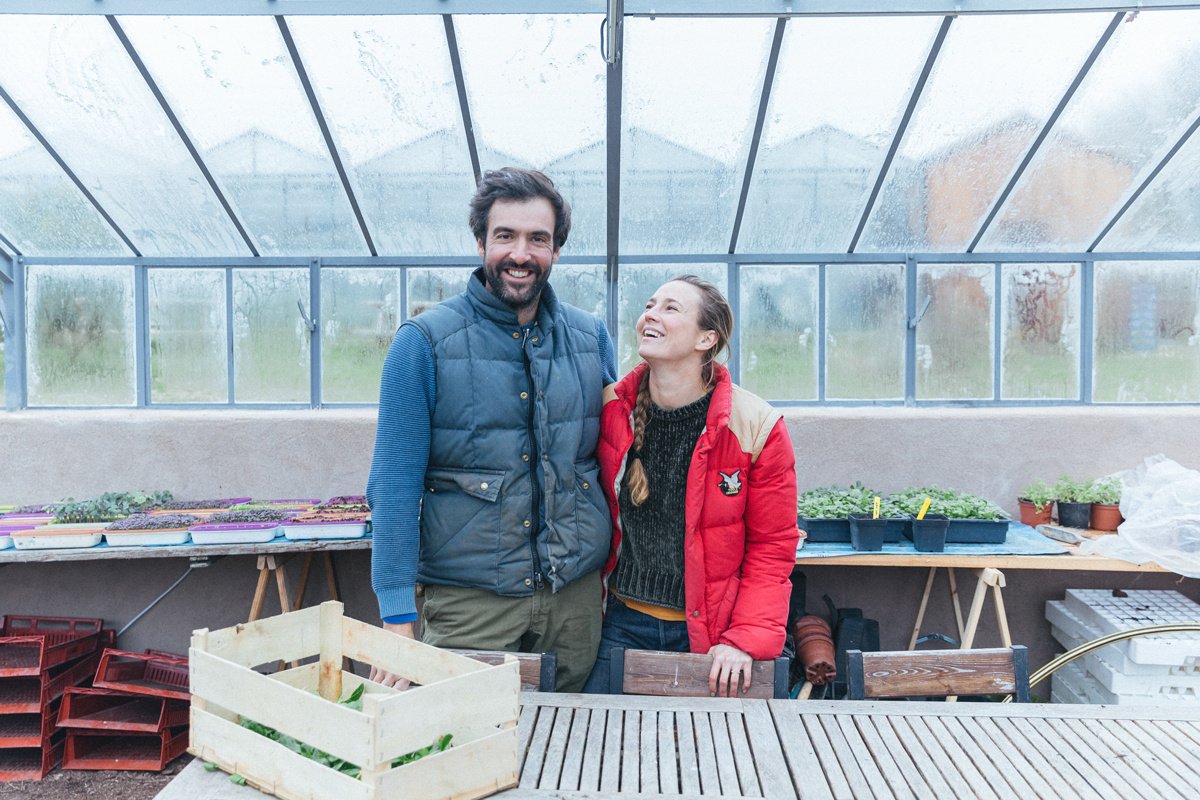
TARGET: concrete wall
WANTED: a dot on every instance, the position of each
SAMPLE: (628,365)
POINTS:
(45,456)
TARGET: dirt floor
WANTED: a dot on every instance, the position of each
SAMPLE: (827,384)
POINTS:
(94,785)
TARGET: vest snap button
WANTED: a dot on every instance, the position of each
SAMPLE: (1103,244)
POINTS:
(525,456)
(516,334)
(586,485)
(527,523)
(528,582)
(535,338)
(483,485)
(524,395)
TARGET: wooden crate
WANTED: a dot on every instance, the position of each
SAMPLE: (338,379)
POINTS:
(476,703)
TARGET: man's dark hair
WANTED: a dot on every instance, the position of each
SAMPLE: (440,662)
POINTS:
(514,183)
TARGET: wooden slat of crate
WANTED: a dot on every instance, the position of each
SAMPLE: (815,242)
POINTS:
(288,637)
(420,663)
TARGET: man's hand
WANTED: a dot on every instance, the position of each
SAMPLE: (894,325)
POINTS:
(387,678)
(730,666)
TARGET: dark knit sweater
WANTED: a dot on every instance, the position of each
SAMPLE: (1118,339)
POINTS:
(650,567)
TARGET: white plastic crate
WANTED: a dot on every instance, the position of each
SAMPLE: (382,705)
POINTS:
(1105,613)
(1101,664)
(1074,682)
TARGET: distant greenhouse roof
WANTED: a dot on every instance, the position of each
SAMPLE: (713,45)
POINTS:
(243,128)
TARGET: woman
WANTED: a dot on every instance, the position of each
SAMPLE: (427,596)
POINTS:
(701,480)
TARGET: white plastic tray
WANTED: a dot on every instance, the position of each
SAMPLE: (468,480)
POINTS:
(145,538)
(329,530)
(257,536)
(57,537)
(5,542)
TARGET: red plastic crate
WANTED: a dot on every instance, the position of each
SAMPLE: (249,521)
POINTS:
(31,763)
(30,645)
(153,673)
(113,711)
(27,730)
(34,695)
(128,751)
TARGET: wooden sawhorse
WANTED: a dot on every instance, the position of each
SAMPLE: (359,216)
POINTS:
(987,578)
(273,565)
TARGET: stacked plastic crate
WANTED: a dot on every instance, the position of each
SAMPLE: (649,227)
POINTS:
(135,717)
(1151,670)
(40,658)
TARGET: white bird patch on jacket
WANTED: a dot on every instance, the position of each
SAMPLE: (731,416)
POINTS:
(730,484)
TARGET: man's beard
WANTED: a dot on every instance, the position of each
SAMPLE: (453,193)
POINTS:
(515,299)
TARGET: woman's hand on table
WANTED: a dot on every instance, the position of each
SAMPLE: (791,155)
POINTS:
(730,666)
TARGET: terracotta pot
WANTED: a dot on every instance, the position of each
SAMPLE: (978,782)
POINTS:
(1106,517)
(1031,516)
(814,649)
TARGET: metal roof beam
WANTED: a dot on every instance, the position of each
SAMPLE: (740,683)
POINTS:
(302,73)
(16,109)
(7,250)
(938,41)
(180,132)
(763,102)
(461,86)
(614,87)
(1045,132)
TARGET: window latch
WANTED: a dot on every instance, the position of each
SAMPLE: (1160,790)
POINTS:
(915,321)
(308,321)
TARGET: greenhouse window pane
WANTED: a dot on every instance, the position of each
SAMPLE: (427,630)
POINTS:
(1040,331)
(188,336)
(41,211)
(584,286)
(429,286)
(864,340)
(1136,102)
(995,82)
(1147,348)
(689,103)
(387,90)
(536,88)
(79,339)
(75,81)
(954,337)
(270,340)
(232,84)
(840,88)
(638,283)
(779,331)
(1167,215)
(360,311)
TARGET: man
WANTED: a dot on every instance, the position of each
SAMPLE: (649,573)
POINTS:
(489,412)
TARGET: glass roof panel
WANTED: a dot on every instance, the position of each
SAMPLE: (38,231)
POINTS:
(73,79)
(840,88)
(536,90)
(690,100)
(1134,105)
(387,90)
(41,211)
(1167,215)
(232,85)
(995,82)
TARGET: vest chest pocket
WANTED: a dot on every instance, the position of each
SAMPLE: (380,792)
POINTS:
(460,513)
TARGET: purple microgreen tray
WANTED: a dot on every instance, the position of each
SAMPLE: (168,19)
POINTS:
(235,526)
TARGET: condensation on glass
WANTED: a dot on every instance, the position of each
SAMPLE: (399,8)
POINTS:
(188,336)
(41,211)
(536,88)
(74,80)
(840,88)
(270,339)
(779,331)
(80,336)
(1039,331)
(689,104)
(995,82)
(1147,347)
(428,286)
(865,330)
(636,286)
(955,334)
(1134,104)
(233,86)
(360,311)
(1167,215)
(387,89)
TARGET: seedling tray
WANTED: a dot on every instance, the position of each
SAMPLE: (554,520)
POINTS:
(152,673)
(31,763)
(324,530)
(120,712)
(825,530)
(33,695)
(30,645)
(151,538)
(149,752)
(234,532)
(5,540)
(55,537)
(977,531)
(476,703)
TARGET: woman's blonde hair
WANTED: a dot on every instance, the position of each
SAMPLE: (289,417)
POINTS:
(714,315)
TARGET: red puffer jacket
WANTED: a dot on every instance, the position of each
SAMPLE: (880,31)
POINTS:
(740,534)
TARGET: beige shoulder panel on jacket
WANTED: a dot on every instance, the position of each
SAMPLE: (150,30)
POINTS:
(751,420)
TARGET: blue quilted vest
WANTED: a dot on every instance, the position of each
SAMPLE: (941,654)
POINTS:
(516,415)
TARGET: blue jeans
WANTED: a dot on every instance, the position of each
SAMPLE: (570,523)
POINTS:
(624,627)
